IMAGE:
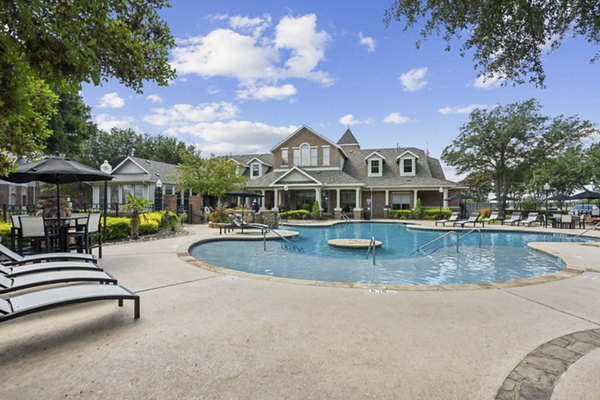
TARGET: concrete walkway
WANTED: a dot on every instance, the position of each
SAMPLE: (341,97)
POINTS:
(203,335)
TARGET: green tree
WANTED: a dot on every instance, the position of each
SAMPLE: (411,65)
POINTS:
(507,141)
(479,185)
(591,162)
(113,146)
(507,38)
(71,126)
(214,176)
(57,45)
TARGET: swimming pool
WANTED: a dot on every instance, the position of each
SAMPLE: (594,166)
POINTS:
(503,256)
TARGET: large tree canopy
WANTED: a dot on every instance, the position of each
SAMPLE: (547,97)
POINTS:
(507,142)
(508,38)
(57,45)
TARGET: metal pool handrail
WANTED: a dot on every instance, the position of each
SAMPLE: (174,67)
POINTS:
(372,246)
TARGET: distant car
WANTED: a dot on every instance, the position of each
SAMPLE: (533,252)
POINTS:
(589,209)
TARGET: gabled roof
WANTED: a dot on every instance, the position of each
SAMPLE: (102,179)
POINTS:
(311,131)
(405,153)
(279,180)
(259,160)
(374,154)
(149,170)
(348,139)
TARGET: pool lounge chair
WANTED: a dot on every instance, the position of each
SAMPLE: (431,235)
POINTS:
(515,217)
(472,219)
(532,218)
(10,284)
(453,218)
(28,303)
(494,216)
(18,259)
(16,270)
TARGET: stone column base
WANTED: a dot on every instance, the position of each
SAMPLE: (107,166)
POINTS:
(358,213)
(337,213)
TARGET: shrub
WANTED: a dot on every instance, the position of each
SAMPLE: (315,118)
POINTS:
(220,215)
(5,230)
(436,213)
(117,227)
(399,214)
(148,227)
(295,214)
(316,211)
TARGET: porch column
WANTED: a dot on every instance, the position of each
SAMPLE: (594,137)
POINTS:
(387,198)
(415,198)
(358,199)
(337,210)
(263,198)
(318,197)
(276,199)
(445,198)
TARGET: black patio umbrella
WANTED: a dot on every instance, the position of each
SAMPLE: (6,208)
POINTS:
(559,197)
(243,193)
(585,195)
(506,198)
(56,169)
(461,197)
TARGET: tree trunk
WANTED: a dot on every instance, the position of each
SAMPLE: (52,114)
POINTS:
(135,224)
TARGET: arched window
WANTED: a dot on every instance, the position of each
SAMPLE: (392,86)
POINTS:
(305,154)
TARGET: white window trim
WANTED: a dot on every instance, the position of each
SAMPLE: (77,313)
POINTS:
(323,155)
(252,170)
(288,157)
(414,166)
(370,166)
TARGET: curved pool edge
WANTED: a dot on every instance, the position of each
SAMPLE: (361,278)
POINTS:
(571,269)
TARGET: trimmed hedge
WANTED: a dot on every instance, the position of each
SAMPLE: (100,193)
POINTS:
(5,230)
(295,214)
(425,213)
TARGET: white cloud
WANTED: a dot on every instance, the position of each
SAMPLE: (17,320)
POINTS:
(251,53)
(462,110)
(186,114)
(367,41)
(266,92)
(349,120)
(255,26)
(111,100)
(224,52)
(307,45)
(213,89)
(155,98)
(396,118)
(107,122)
(414,79)
(489,82)
(234,136)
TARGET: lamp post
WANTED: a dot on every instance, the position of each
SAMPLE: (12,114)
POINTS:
(106,168)
(158,191)
(441,190)
(287,203)
(546,190)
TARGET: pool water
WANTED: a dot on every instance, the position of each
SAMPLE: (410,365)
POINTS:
(503,256)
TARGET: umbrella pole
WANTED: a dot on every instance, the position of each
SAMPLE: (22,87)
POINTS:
(58,198)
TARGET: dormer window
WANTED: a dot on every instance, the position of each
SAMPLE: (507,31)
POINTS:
(407,162)
(375,167)
(375,164)
(255,170)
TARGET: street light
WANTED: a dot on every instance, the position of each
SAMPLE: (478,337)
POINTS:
(159,186)
(546,190)
(287,203)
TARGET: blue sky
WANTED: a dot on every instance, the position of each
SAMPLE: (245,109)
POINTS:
(250,73)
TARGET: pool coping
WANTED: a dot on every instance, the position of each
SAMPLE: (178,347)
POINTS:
(574,265)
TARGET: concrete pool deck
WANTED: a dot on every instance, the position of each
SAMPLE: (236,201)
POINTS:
(206,335)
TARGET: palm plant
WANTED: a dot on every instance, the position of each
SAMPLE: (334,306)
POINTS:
(136,206)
